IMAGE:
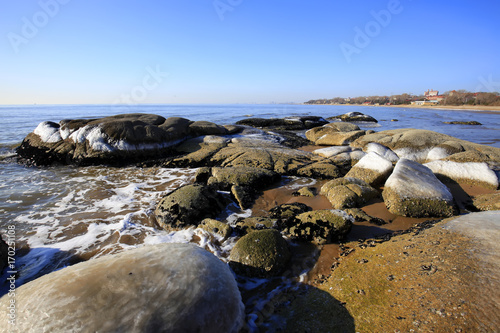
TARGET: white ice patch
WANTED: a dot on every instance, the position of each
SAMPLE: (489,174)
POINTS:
(437,153)
(471,170)
(47,132)
(412,154)
(375,162)
(413,180)
(357,154)
(382,151)
(332,151)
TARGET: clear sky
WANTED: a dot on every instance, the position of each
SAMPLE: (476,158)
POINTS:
(243,51)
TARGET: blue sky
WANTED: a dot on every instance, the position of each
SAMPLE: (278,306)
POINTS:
(242,51)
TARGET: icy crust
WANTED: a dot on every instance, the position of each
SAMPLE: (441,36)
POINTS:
(98,140)
(48,132)
(414,180)
(167,288)
(382,151)
(375,162)
(471,171)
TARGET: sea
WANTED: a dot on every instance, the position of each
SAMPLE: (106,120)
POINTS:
(58,216)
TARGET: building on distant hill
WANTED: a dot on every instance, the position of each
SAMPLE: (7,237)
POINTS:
(432,97)
(430,93)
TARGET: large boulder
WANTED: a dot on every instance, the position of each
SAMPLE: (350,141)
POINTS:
(331,136)
(414,191)
(256,178)
(111,140)
(262,253)
(471,173)
(372,168)
(348,192)
(318,226)
(160,288)
(261,152)
(188,205)
(423,146)
(355,117)
(287,124)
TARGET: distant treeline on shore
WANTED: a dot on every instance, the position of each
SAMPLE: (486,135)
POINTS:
(456,98)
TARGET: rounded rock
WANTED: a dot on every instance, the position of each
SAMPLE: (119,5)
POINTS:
(160,288)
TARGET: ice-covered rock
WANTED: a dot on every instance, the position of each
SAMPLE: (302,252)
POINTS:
(355,117)
(471,172)
(160,288)
(423,146)
(383,151)
(413,190)
(110,140)
(372,168)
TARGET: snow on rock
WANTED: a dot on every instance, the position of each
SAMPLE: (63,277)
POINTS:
(382,151)
(437,153)
(471,172)
(48,132)
(166,287)
(372,168)
(332,151)
(413,190)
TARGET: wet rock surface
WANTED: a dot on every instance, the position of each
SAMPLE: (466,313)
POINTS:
(287,124)
(318,226)
(348,192)
(262,253)
(188,205)
(201,294)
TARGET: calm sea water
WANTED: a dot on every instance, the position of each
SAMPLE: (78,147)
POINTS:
(62,215)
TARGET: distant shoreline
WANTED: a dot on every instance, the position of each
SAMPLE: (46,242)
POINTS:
(477,108)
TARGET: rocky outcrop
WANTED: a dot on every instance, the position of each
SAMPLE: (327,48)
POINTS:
(423,146)
(160,288)
(471,173)
(263,153)
(475,123)
(330,135)
(286,124)
(372,168)
(318,226)
(188,205)
(354,117)
(257,178)
(414,191)
(348,192)
(262,253)
(111,140)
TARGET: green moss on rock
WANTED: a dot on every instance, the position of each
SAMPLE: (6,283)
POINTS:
(261,253)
